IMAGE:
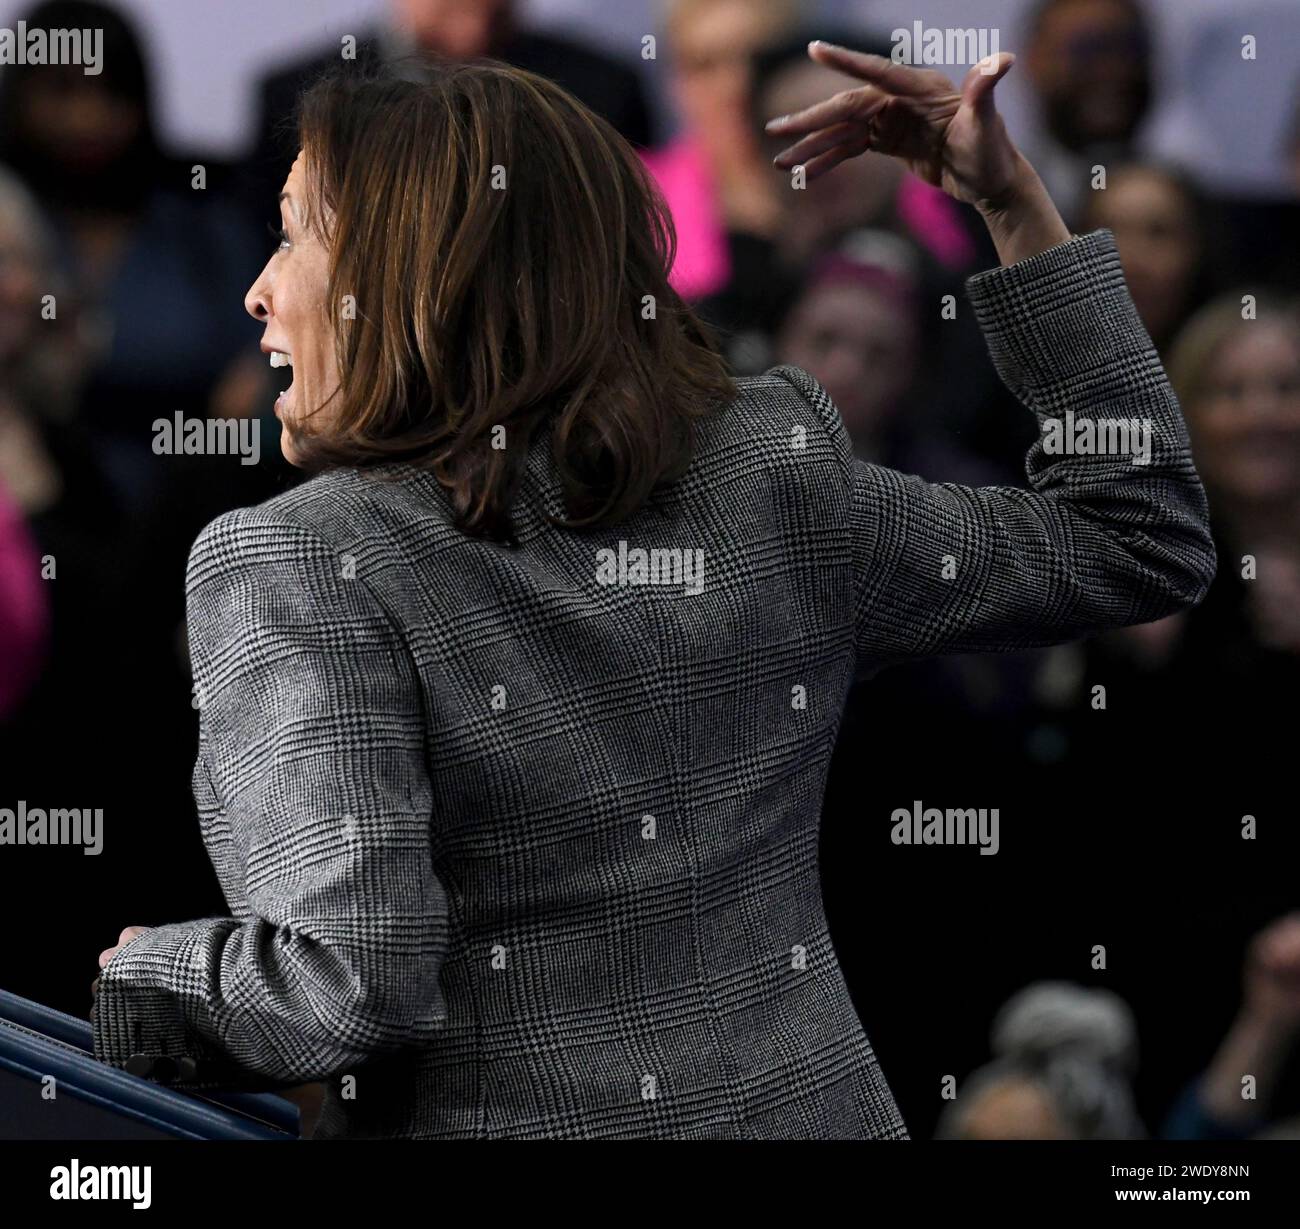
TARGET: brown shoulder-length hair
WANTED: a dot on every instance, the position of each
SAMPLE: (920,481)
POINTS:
(499,255)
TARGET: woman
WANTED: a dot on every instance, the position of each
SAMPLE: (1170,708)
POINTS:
(1158,219)
(712,174)
(516,820)
(1238,380)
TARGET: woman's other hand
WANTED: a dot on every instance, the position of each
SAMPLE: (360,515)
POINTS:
(131,932)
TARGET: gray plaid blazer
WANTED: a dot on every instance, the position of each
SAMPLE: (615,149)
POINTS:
(511,851)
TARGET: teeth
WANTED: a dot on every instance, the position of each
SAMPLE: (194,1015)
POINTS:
(280,359)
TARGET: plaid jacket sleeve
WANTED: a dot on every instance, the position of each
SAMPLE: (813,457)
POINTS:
(1104,538)
(312,752)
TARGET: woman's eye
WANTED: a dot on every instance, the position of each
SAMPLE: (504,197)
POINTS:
(280,235)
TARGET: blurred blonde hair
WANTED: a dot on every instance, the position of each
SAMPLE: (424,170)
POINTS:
(1201,339)
(775,17)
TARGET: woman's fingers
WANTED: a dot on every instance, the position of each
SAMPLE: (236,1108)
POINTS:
(830,160)
(819,142)
(843,108)
(880,70)
(839,109)
(885,79)
(918,101)
(123,939)
(977,89)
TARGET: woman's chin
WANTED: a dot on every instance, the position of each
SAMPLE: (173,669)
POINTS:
(288,449)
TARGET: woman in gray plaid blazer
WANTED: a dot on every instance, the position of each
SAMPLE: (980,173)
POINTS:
(515,719)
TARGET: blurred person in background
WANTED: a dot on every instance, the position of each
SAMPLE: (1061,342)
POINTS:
(713,175)
(1234,1098)
(853,325)
(1065,1056)
(1239,380)
(78,729)
(1089,65)
(152,259)
(767,260)
(1158,218)
(1231,666)
(1256,217)
(453,30)
(41,356)
(1292,148)
(1239,383)
(1226,87)
(24,617)
(143,265)
(48,467)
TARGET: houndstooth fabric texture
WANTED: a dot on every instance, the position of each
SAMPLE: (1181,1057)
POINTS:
(512,853)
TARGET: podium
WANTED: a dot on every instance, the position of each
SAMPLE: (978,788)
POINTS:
(95,1101)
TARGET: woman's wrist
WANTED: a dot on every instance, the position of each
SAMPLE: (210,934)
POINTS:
(1022,220)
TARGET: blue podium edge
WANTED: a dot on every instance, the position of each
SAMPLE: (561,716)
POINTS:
(36,1058)
(45,1020)
(278,1117)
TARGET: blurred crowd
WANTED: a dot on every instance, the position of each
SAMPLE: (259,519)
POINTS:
(1065,1058)
(123,266)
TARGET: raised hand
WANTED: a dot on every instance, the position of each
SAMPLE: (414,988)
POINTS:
(954,139)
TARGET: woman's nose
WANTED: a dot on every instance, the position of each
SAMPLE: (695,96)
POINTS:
(257,302)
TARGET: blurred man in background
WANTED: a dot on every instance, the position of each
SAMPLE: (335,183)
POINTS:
(1089,64)
(1064,1060)
(442,30)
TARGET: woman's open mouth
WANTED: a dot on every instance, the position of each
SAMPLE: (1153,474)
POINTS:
(279,358)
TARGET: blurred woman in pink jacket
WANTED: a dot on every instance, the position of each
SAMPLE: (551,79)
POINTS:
(24,611)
